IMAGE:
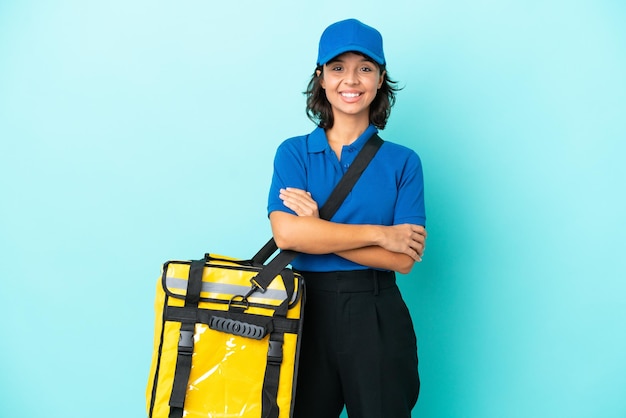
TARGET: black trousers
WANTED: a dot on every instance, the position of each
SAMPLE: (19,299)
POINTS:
(358,348)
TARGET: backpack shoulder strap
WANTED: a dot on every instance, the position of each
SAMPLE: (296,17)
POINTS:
(334,202)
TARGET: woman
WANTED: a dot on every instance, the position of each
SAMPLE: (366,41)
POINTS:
(359,347)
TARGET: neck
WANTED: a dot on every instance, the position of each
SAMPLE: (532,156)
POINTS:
(346,130)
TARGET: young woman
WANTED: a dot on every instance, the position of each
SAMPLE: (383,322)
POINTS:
(359,347)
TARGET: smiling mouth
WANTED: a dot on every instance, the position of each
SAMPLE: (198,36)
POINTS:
(350,95)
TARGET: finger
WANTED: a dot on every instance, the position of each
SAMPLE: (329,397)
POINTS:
(294,198)
(297,191)
(284,194)
(417,257)
(298,195)
(290,191)
(302,207)
(418,240)
(291,206)
(419,230)
(307,201)
(418,251)
(418,246)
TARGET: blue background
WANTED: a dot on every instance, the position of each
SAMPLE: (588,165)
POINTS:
(136,132)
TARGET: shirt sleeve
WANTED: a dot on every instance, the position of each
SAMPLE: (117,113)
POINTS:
(410,207)
(289,171)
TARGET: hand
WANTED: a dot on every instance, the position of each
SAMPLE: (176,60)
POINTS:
(299,201)
(406,239)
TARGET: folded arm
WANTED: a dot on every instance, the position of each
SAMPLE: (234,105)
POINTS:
(379,258)
(395,247)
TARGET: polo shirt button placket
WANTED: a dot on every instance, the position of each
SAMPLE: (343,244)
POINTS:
(350,150)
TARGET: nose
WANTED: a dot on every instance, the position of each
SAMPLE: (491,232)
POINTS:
(352,77)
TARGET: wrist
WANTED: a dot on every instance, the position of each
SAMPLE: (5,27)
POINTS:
(377,235)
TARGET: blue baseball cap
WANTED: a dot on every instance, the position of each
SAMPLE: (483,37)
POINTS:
(350,36)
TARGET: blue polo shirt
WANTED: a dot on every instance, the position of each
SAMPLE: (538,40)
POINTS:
(390,191)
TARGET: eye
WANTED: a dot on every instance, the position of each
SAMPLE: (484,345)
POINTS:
(336,68)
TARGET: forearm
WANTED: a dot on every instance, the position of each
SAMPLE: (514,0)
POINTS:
(379,258)
(313,235)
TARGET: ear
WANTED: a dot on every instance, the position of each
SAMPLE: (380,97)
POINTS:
(318,73)
(382,79)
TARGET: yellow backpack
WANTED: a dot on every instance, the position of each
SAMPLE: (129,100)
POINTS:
(226,340)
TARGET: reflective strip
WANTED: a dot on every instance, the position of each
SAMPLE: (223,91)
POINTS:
(226,289)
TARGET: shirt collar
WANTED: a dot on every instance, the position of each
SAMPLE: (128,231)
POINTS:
(318,141)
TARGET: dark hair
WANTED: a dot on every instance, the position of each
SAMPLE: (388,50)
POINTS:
(319,110)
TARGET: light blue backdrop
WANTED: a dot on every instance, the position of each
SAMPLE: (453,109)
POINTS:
(136,132)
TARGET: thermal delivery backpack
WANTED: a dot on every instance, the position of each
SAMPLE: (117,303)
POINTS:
(226,341)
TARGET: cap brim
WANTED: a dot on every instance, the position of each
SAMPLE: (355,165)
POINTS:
(350,48)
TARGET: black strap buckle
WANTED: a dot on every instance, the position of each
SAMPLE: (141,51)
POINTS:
(185,342)
(275,352)
(256,286)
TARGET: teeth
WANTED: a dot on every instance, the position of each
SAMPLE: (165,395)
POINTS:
(350,94)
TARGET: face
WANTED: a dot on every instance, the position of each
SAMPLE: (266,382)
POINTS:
(351,82)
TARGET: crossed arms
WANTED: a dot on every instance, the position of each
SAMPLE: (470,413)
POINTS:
(395,247)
